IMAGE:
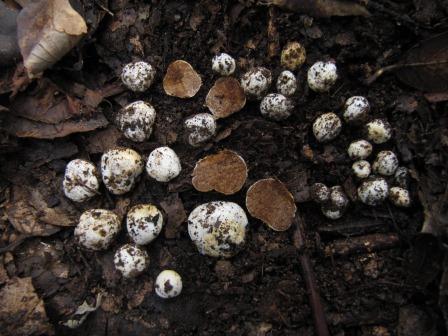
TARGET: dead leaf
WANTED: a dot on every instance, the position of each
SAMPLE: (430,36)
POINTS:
(102,141)
(320,8)
(271,202)
(82,312)
(22,312)
(225,172)
(24,128)
(225,97)
(47,30)
(175,213)
(181,80)
(30,214)
(425,67)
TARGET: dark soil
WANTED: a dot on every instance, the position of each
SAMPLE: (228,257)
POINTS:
(261,291)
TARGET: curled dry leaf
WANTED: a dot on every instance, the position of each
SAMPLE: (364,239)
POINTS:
(29,213)
(47,30)
(181,80)
(271,202)
(225,172)
(225,97)
(22,312)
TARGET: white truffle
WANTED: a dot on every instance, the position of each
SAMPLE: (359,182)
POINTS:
(163,164)
(138,76)
(131,260)
(200,128)
(379,131)
(361,169)
(136,121)
(144,223)
(386,163)
(276,106)
(327,127)
(97,229)
(286,83)
(338,198)
(256,82)
(168,284)
(322,76)
(120,168)
(359,150)
(356,109)
(331,212)
(400,197)
(320,193)
(373,191)
(218,229)
(224,64)
(81,180)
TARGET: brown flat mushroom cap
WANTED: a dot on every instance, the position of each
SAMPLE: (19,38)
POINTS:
(225,97)
(271,202)
(181,80)
(224,172)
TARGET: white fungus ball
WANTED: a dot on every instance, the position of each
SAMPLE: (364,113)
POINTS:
(276,106)
(322,76)
(224,64)
(81,180)
(138,76)
(120,168)
(356,109)
(327,127)
(386,163)
(136,120)
(338,198)
(144,223)
(256,82)
(200,128)
(97,229)
(218,229)
(163,164)
(361,169)
(373,191)
(400,197)
(379,131)
(331,212)
(131,260)
(320,193)
(286,83)
(359,150)
(168,284)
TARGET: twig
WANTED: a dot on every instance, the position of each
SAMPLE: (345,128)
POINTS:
(310,281)
(273,37)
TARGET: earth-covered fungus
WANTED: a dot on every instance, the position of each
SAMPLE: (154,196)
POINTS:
(120,168)
(97,229)
(276,106)
(131,260)
(168,284)
(224,64)
(359,150)
(200,128)
(163,164)
(286,83)
(373,191)
(136,120)
(386,163)
(356,109)
(361,169)
(218,229)
(379,131)
(400,197)
(327,127)
(138,76)
(256,82)
(81,181)
(320,193)
(322,76)
(144,223)
(293,56)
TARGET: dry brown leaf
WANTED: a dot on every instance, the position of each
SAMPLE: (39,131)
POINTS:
(102,141)
(24,128)
(30,214)
(225,172)
(320,8)
(181,80)
(9,50)
(271,202)
(225,97)
(47,30)
(22,312)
